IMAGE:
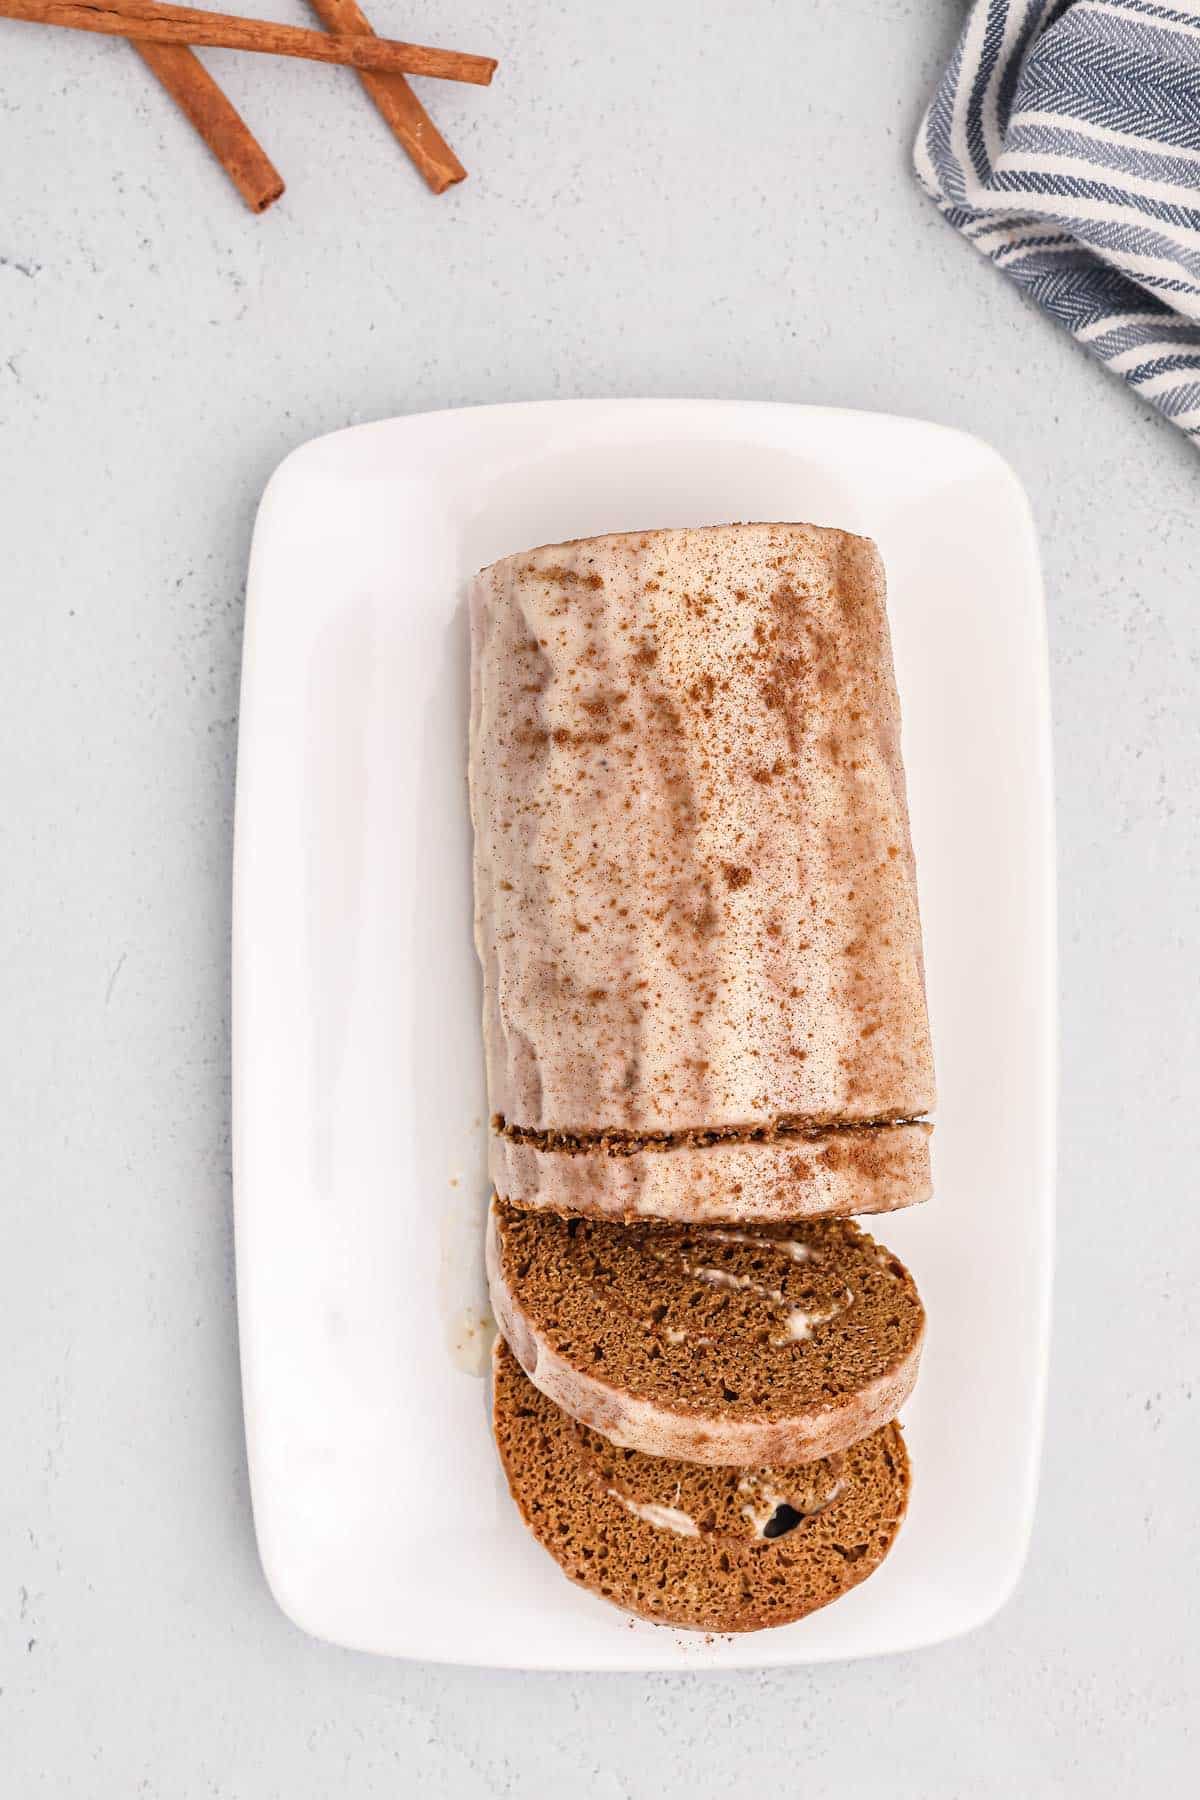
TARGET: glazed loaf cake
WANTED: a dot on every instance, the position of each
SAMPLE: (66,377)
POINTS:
(696,910)
(707,1548)
(722,1346)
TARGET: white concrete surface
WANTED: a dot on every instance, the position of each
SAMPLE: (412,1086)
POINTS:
(669,198)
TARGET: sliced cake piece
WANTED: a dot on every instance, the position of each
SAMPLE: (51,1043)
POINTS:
(783,1175)
(762,1344)
(706,1548)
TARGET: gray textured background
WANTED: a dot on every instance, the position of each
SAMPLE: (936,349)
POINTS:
(668,198)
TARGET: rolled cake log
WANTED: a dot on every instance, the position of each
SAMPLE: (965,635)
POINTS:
(696,907)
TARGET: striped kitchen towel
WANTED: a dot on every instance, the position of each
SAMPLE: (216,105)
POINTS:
(1064,141)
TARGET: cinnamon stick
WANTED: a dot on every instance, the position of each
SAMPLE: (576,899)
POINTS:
(217,120)
(395,100)
(151,22)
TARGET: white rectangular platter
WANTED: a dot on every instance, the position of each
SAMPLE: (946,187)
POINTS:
(359,1108)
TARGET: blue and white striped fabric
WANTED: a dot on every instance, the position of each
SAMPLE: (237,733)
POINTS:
(1064,141)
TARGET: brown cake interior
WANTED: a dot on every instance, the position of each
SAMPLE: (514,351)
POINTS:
(712,1549)
(629,1143)
(760,1322)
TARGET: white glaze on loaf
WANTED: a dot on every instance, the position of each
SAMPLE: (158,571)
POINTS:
(695,898)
